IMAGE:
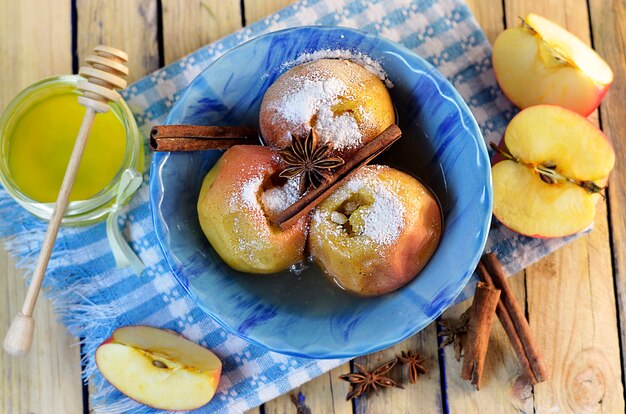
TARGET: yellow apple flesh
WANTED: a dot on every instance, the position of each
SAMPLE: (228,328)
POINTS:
(543,139)
(542,63)
(159,368)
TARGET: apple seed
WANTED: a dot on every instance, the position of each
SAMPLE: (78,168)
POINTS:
(158,364)
(547,172)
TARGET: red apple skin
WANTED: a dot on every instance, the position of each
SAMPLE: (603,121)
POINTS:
(107,341)
(111,340)
(529,72)
(593,105)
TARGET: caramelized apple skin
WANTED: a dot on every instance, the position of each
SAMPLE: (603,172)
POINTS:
(234,221)
(374,265)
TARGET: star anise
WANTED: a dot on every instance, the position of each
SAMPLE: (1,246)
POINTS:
(364,381)
(309,160)
(454,333)
(415,363)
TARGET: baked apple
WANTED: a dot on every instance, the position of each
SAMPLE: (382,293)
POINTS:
(343,102)
(375,232)
(236,198)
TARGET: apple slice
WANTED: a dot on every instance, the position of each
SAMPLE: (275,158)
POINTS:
(542,63)
(556,164)
(159,368)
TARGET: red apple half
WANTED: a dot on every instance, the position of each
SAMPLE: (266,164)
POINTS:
(542,63)
(159,368)
(557,163)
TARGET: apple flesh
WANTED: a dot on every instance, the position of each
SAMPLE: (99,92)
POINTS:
(557,162)
(542,63)
(159,368)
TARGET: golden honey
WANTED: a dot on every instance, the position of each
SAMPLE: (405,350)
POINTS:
(38,129)
(41,145)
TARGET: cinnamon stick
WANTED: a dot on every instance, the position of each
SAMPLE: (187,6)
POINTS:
(478,330)
(513,320)
(199,138)
(310,200)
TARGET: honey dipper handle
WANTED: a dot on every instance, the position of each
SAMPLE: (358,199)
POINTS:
(20,335)
(103,74)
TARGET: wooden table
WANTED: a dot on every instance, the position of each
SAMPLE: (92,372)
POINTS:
(575,298)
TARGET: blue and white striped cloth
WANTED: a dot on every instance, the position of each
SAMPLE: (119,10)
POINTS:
(92,297)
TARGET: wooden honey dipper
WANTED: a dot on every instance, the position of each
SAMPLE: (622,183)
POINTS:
(103,76)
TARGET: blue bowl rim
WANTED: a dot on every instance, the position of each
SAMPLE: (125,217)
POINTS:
(159,158)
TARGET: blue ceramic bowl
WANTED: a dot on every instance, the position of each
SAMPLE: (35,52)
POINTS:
(305,315)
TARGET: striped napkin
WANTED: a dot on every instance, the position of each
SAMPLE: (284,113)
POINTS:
(93,298)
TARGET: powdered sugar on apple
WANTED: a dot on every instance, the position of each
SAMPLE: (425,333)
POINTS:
(246,198)
(270,201)
(383,219)
(367,62)
(313,97)
(277,199)
(248,194)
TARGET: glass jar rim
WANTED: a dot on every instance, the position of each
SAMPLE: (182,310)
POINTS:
(82,211)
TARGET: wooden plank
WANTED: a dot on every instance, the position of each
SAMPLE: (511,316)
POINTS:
(424,396)
(188,25)
(576,328)
(127,25)
(324,394)
(608,20)
(35,42)
(256,10)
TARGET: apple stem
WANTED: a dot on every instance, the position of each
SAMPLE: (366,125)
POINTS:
(548,173)
(526,26)
(506,154)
